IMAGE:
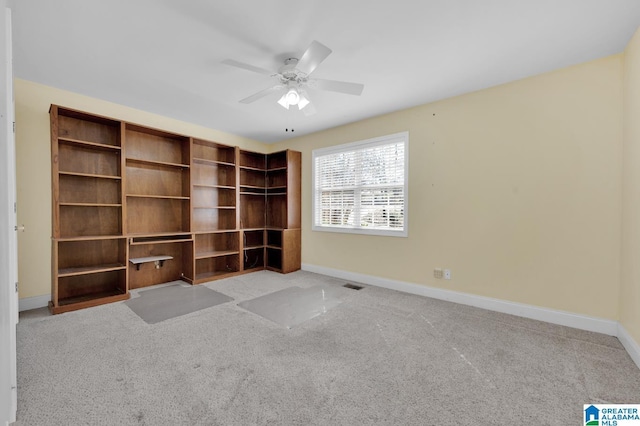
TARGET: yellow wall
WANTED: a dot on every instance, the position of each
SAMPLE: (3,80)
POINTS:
(33,155)
(516,189)
(630,288)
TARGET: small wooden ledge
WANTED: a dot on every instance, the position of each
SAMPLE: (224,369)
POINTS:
(158,260)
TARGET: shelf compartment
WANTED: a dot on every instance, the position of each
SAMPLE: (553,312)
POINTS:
(212,151)
(152,179)
(274,238)
(83,257)
(144,144)
(78,126)
(253,239)
(277,160)
(216,267)
(212,219)
(252,211)
(84,221)
(146,215)
(213,175)
(276,212)
(253,259)
(277,178)
(253,160)
(216,244)
(90,289)
(212,197)
(85,160)
(178,263)
(85,189)
(274,258)
(253,178)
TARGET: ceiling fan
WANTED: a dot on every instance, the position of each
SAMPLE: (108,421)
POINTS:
(293,79)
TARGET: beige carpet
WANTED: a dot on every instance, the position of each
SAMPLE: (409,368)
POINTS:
(379,357)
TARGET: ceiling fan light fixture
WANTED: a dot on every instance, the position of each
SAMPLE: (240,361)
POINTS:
(303,102)
(283,101)
(293,97)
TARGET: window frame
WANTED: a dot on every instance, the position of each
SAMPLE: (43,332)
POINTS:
(351,146)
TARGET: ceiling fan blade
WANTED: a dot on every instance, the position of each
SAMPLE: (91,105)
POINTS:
(261,94)
(339,86)
(247,67)
(312,57)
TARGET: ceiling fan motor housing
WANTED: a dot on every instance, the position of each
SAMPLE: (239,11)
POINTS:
(289,72)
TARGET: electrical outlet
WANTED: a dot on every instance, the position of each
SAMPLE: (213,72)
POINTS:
(447,274)
(437,273)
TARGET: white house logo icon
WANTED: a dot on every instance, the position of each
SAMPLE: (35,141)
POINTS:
(592,416)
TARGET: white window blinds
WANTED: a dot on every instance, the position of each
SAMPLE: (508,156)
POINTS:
(362,187)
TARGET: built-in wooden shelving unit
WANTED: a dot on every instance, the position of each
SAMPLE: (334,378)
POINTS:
(135,206)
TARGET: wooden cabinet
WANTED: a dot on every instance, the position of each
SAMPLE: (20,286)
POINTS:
(135,206)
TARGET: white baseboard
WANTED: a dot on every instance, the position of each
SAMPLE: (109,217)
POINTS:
(632,347)
(35,302)
(553,316)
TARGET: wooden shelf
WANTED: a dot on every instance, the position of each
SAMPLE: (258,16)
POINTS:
(257,169)
(216,231)
(255,268)
(89,205)
(89,175)
(277,169)
(212,162)
(214,186)
(90,145)
(208,276)
(84,270)
(162,197)
(165,238)
(215,207)
(80,302)
(208,254)
(260,246)
(91,237)
(157,163)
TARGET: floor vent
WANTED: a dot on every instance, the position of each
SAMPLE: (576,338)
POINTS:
(353,286)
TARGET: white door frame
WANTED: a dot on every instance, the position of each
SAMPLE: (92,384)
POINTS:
(8,244)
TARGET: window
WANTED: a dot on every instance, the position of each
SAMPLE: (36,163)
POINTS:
(361,187)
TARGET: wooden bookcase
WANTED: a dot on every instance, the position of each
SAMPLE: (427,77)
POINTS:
(135,206)
(89,249)
(215,210)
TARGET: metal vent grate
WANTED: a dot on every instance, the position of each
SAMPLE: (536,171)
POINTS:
(353,286)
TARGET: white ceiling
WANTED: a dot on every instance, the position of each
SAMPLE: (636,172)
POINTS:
(164,56)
